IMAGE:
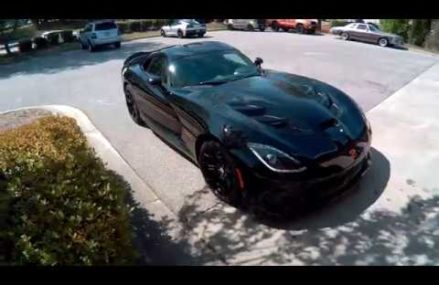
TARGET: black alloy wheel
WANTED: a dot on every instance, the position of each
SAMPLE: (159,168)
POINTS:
(221,173)
(132,108)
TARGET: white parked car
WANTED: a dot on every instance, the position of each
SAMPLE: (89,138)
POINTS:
(99,33)
(246,24)
(183,28)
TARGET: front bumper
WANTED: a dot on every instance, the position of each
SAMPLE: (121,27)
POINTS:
(397,42)
(289,193)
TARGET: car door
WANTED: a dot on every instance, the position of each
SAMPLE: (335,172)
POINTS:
(168,28)
(361,32)
(373,34)
(153,103)
(174,27)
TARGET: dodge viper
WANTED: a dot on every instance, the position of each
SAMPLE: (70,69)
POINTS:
(257,135)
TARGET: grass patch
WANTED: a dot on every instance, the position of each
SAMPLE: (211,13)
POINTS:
(139,35)
(216,26)
(59,205)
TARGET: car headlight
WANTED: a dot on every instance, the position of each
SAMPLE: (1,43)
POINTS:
(275,159)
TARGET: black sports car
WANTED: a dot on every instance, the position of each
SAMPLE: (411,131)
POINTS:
(257,135)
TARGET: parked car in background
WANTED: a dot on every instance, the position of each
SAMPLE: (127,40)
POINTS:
(301,26)
(246,24)
(183,28)
(367,33)
(99,33)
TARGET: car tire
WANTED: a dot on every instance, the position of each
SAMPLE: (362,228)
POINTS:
(180,34)
(300,29)
(250,28)
(133,109)
(230,27)
(261,28)
(275,26)
(221,173)
(90,47)
(200,35)
(117,45)
(383,42)
(163,33)
(83,46)
(344,36)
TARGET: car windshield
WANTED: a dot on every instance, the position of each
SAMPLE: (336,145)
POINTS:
(211,68)
(373,28)
(190,21)
(105,26)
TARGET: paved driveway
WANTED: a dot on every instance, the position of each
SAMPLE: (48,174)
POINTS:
(91,82)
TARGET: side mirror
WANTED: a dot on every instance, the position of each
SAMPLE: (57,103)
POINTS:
(154,80)
(258,61)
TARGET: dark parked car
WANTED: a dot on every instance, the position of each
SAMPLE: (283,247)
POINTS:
(367,33)
(257,135)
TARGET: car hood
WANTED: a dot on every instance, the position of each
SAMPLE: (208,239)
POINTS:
(295,113)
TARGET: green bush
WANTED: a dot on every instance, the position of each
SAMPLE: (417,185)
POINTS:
(53,38)
(67,36)
(338,23)
(63,206)
(396,26)
(135,26)
(124,27)
(25,45)
(419,31)
(146,25)
(40,43)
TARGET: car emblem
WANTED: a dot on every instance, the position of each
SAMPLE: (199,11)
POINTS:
(353,153)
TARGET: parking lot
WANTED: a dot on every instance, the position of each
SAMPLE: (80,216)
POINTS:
(368,73)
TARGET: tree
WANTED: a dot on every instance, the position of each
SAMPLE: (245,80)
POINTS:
(419,31)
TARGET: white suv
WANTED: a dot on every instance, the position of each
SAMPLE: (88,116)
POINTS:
(183,28)
(99,33)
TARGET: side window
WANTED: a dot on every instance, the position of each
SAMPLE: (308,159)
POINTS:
(157,66)
(362,27)
(87,28)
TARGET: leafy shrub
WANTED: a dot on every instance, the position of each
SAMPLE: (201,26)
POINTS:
(124,27)
(338,23)
(64,206)
(146,25)
(67,36)
(135,26)
(419,31)
(53,38)
(25,45)
(396,26)
(41,42)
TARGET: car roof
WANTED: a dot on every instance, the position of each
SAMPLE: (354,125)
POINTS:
(100,21)
(179,51)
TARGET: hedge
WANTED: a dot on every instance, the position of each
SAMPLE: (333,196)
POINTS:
(40,43)
(62,206)
(25,45)
(141,25)
(67,36)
